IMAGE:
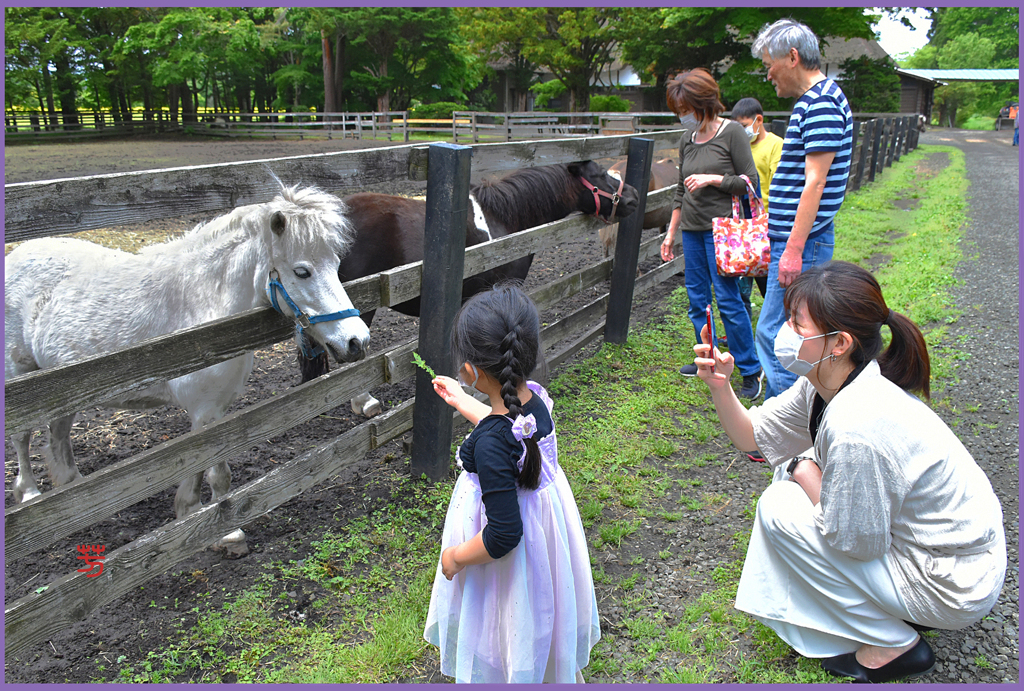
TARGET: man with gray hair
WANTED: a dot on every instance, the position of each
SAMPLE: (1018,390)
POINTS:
(810,183)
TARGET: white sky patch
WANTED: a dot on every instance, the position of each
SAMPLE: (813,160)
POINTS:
(900,41)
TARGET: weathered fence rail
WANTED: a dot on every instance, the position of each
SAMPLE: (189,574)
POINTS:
(30,399)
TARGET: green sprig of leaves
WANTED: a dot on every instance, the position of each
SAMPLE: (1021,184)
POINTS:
(418,361)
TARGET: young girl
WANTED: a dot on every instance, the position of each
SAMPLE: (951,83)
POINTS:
(513,598)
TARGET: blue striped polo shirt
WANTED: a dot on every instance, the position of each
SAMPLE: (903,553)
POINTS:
(821,121)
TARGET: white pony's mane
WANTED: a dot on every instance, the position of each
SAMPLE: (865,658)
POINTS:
(320,216)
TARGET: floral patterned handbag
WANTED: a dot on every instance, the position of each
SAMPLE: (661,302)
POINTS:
(741,244)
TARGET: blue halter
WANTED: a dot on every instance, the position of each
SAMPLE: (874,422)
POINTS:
(302,322)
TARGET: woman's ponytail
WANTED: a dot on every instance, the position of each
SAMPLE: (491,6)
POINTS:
(905,362)
(841,296)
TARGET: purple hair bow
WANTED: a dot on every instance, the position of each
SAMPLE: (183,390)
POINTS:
(524,427)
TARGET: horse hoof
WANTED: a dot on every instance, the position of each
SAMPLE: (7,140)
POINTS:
(367,406)
(24,495)
(233,545)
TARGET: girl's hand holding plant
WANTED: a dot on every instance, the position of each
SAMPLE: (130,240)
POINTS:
(450,390)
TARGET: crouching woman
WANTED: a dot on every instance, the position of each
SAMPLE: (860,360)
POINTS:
(891,528)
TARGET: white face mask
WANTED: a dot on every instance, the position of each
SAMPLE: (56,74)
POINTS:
(476,376)
(751,132)
(689,121)
(787,350)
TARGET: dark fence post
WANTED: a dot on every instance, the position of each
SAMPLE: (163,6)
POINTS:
(897,140)
(778,127)
(627,246)
(890,142)
(907,129)
(851,178)
(897,148)
(865,146)
(444,253)
(879,126)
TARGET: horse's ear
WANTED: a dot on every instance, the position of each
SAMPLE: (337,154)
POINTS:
(277,223)
(576,168)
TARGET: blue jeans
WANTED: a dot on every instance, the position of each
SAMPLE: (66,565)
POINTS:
(701,273)
(1016,137)
(773,312)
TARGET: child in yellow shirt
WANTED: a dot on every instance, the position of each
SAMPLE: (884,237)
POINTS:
(767,150)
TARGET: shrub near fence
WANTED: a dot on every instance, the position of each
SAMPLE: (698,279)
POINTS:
(47,208)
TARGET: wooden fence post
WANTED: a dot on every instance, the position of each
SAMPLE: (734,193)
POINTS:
(865,146)
(405,124)
(907,125)
(778,127)
(879,126)
(897,141)
(508,127)
(444,252)
(890,142)
(627,245)
(851,178)
(476,132)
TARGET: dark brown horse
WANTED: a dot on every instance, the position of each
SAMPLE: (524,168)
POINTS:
(663,174)
(389,229)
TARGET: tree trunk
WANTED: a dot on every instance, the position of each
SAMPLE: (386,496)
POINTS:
(330,103)
(172,104)
(340,55)
(66,91)
(39,94)
(50,108)
(122,97)
(383,99)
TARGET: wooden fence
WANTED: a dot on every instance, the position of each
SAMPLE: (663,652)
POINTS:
(877,142)
(56,207)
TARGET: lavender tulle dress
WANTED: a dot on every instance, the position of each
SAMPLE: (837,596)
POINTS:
(531,616)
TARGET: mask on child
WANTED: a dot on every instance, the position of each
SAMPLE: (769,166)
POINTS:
(751,132)
(787,350)
(476,376)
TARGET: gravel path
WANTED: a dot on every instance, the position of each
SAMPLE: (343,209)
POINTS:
(989,300)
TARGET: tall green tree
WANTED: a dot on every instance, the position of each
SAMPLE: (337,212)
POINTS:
(661,42)
(1000,25)
(574,44)
(957,101)
(499,34)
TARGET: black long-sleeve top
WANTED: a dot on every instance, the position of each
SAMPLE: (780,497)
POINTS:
(492,452)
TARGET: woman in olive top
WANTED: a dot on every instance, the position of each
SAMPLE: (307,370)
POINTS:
(711,159)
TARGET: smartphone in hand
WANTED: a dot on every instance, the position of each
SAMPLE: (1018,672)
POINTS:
(711,335)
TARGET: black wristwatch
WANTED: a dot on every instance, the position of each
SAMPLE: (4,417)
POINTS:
(795,462)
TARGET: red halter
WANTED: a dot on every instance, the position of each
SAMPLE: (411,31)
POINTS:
(615,197)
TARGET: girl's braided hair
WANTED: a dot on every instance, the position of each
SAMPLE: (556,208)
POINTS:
(499,332)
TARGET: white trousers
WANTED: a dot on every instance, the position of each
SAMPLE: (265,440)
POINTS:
(819,601)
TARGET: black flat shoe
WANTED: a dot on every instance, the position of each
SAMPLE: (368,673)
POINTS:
(917,661)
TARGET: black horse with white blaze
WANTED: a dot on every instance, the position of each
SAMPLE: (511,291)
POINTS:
(389,229)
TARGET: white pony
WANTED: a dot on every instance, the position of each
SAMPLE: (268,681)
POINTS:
(68,299)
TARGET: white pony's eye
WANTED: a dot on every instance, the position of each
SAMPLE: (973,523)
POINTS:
(302,272)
